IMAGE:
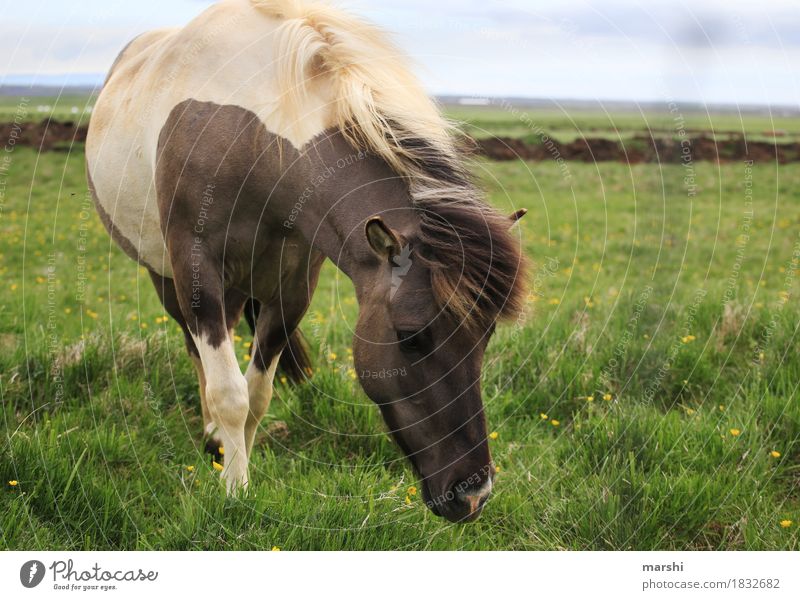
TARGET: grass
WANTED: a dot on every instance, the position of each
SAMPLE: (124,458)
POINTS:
(564,125)
(644,297)
(568,124)
(66,107)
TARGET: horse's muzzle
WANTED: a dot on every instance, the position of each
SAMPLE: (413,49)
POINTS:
(461,503)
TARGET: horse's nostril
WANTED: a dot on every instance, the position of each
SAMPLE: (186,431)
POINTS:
(474,497)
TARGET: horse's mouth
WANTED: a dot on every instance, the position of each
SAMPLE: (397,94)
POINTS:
(429,502)
(459,506)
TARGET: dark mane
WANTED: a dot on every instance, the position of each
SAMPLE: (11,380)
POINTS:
(478,271)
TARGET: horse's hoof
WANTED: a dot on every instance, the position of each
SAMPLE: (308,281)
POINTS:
(213,448)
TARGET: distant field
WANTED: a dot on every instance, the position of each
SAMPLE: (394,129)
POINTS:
(569,124)
(36,108)
(523,123)
(646,399)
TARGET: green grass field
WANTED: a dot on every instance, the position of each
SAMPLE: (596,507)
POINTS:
(568,123)
(565,124)
(646,399)
(67,107)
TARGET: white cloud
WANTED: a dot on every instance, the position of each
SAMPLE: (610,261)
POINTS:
(716,51)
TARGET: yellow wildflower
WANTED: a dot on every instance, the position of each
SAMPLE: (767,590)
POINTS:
(216,465)
(497,468)
(775,454)
(408,500)
(607,397)
(590,398)
(190,468)
(332,356)
(412,490)
(493,435)
(543,416)
(237,338)
(555,422)
(13,483)
(221,451)
(735,432)
(276,549)
(283,379)
(247,357)
(786,523)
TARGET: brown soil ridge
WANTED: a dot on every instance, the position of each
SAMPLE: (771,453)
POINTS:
(45,135)
(61,135)
(640,149)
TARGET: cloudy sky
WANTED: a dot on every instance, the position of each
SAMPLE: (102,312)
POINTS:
(716,51)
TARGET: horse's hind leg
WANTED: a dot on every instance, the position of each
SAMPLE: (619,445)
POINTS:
(165,288)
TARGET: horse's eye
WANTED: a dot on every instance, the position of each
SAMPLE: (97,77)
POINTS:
(409,340)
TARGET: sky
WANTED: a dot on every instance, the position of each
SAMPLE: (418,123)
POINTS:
(710,51)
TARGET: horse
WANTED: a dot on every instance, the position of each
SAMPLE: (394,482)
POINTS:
(232,156)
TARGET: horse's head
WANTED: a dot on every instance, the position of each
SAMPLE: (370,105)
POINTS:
(439,285)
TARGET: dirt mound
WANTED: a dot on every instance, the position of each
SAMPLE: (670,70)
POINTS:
(640,149)
(45,135)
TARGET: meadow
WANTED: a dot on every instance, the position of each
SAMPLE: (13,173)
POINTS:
(567,123)
(65,107)
(646,398)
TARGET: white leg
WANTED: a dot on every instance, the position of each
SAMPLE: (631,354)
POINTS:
(259,386)
(228,407)
(208,423)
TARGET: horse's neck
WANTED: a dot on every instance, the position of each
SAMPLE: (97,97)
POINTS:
(347,187)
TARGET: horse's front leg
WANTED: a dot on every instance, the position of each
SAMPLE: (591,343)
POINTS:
(168,295)
(260,374)
(227,401)
(210,313)
(273,328)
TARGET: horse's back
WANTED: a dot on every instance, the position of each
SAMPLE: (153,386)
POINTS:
(225,56)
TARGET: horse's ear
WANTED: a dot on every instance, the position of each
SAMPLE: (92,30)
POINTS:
(516,216)
(381,238)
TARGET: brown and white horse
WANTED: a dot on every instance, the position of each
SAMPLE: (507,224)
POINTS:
(232,156)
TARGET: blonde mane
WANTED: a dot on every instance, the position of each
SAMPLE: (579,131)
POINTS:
(378,100)
(381,106)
